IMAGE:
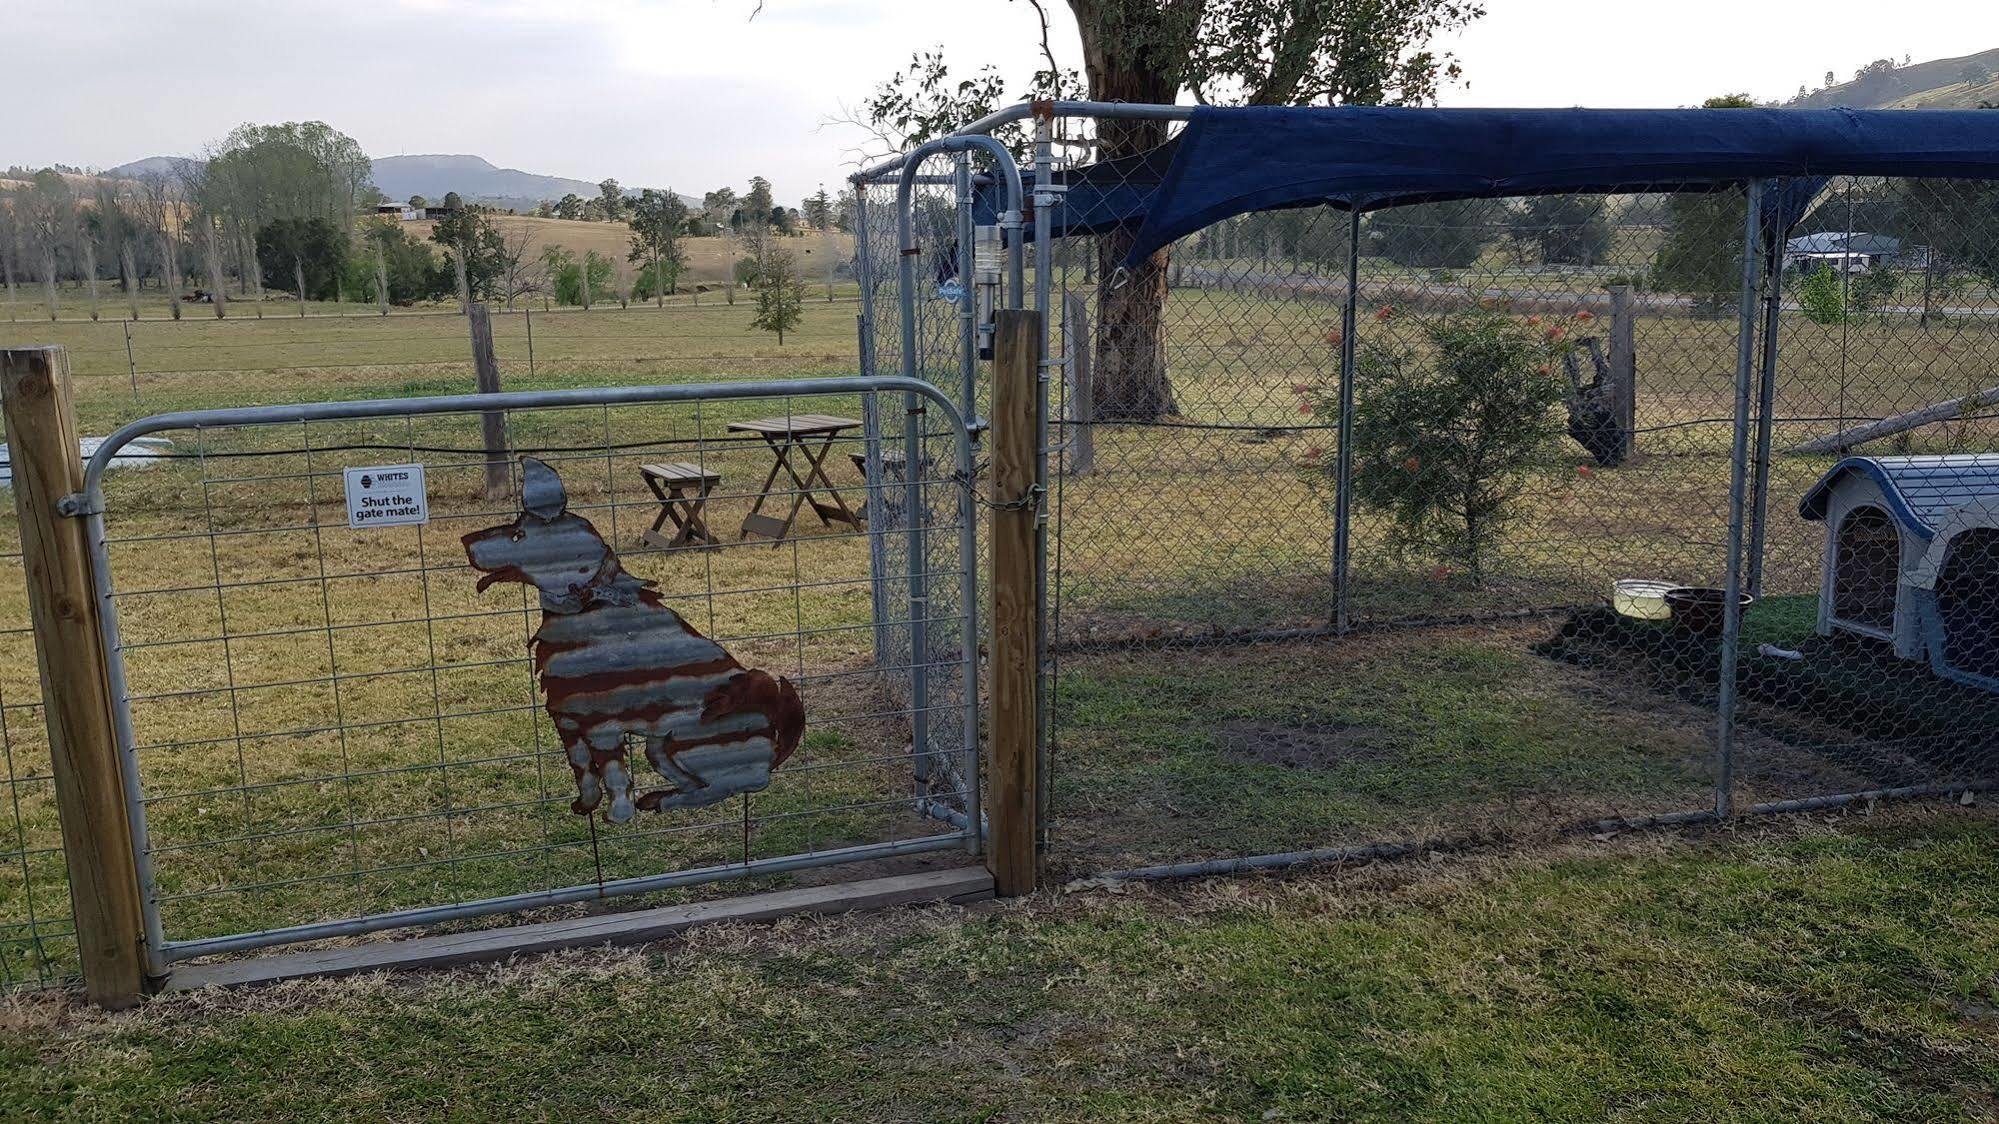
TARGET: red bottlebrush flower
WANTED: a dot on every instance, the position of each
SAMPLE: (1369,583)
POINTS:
(1544,369)
(1334,337)
(1301,388)
(1586,316)
(1585,471)
(1533,321)
(1304,407)
(1384,312)
(1440,573)
(1315,452)
(1412,464)
(1555,334)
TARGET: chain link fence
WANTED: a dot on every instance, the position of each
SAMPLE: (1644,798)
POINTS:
(1414,527)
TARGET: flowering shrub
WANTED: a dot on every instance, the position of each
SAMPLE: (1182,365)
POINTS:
(1444,434)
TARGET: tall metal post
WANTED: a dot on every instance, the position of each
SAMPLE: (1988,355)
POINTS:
(871,436)
(1738,484)
(1046,198)
(1766,405)
(1343,473)
(968,329)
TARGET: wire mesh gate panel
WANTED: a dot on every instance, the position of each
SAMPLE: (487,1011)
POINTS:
(1365,525)
(37,935)
(331,729)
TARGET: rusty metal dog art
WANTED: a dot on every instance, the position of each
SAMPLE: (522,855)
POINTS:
(616,664)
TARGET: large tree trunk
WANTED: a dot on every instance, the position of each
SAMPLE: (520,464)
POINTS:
(1133,51)
(1131,375)
(170,278)
(216,296)
(87,250)
(49,279)
(128,273)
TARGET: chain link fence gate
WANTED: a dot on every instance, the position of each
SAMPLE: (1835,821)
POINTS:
(1415,525)
(330,730)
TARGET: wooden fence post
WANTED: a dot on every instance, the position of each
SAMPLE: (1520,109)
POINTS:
(76,687)
(1080,439)
(492,423)
(1624,366)
(1011,792)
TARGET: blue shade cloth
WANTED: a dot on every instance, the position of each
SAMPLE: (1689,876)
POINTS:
(1235,161)
(1096,198)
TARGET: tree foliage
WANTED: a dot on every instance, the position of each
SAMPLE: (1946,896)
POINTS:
(1448,235)
(1564,229)
(414,272)
(470,234)
(658,221)
(312,248)
(1702,252)
(780,294)
(1445,435)
(297,170)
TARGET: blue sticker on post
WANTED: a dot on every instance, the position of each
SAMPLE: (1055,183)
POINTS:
(387,495)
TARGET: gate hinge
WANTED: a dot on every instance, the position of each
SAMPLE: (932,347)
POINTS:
(78,504)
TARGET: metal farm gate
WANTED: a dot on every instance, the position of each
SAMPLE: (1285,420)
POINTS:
(365,656)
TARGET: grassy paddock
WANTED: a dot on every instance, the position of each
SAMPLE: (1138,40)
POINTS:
(1809,969)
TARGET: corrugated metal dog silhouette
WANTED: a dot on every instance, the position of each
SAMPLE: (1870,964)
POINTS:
(616,663)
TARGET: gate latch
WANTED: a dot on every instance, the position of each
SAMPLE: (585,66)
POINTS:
(77,504)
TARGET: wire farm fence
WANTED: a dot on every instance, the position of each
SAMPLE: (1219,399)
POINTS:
(330,730)
(1339,502)
(125,370)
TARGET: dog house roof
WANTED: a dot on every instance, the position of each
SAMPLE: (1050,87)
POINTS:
(1921,490)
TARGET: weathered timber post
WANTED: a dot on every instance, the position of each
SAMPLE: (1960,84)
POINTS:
(1624,367)
(1080,442)
(492,423)
(1011,788)
(76,687)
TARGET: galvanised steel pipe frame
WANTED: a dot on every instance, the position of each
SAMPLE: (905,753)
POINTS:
(160,953)
(1738,501)
(905,229)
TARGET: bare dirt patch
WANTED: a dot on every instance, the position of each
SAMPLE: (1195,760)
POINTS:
(1314,747)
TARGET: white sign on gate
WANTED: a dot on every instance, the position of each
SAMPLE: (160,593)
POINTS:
(386,495)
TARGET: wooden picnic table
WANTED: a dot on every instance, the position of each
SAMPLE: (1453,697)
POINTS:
(810,436)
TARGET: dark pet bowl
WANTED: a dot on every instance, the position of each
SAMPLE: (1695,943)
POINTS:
(1699,609)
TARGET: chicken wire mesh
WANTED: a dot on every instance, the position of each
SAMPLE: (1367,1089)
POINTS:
(1511,623)
(336,729)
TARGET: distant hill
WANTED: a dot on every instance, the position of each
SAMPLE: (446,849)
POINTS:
(1938,84)
(474,178)
(150,166)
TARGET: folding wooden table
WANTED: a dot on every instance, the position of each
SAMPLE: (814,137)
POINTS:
(811,437)
(682,490)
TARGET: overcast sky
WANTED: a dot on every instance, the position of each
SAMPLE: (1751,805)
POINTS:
(694,94)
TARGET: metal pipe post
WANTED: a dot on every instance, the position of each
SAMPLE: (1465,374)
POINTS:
(1731,629)
(1766,405)
(1343,473)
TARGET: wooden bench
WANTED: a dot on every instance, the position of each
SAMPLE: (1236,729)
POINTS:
(682,490)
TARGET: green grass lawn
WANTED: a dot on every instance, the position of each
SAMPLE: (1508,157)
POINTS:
(1797,969)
